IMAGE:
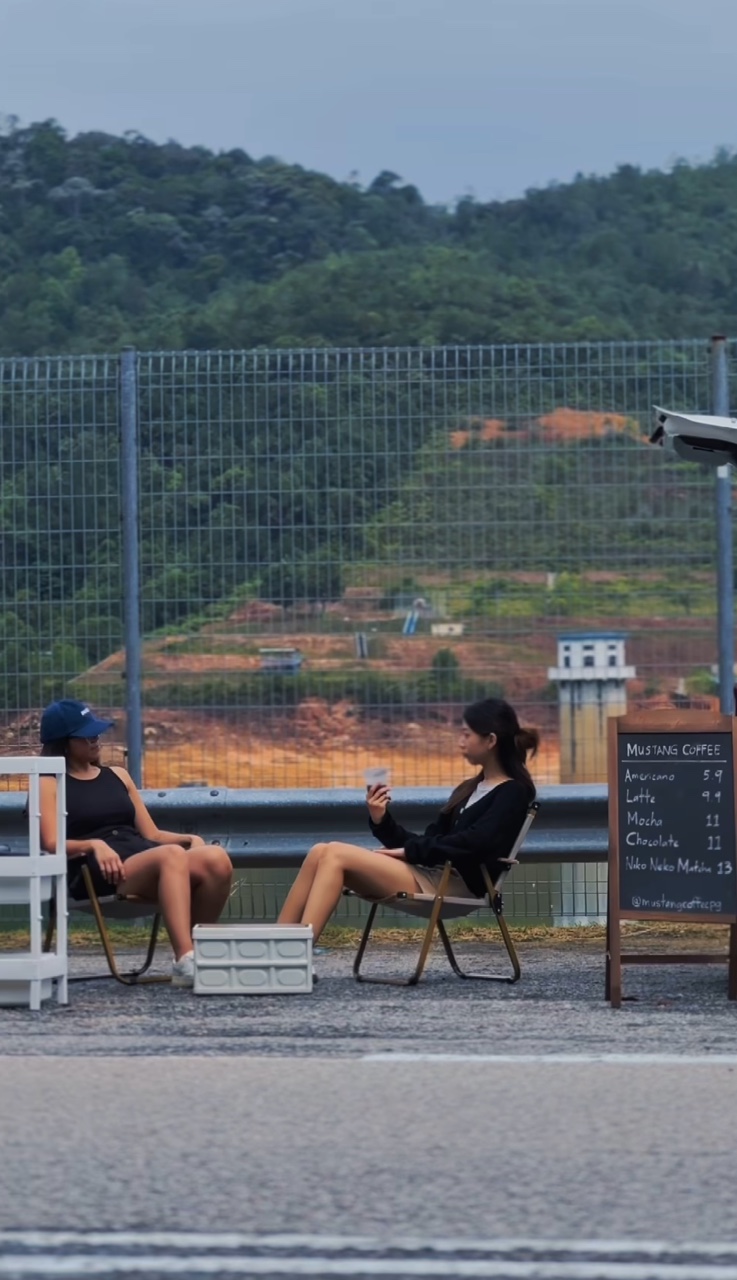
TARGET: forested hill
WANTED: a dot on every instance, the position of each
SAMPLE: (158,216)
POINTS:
(108,241)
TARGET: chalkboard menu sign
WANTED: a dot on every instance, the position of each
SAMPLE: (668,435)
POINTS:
(676,824)
(672,822)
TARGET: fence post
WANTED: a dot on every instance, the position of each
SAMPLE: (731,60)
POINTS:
(725,572)
(131,562)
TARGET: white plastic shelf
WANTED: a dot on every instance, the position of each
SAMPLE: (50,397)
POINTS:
(32,879)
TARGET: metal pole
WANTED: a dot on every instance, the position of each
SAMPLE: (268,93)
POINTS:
(131,564)
(725,571)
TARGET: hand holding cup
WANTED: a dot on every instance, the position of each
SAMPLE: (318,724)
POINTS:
(378,794)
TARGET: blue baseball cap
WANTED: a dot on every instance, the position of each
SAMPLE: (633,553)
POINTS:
(68,718)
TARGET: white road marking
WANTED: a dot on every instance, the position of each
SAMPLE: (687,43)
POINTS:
(28,1254)
(78,1267)
(329,1243)
(84,1265)
(563,1059)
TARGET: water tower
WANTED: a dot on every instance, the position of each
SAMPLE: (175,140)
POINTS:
(591,676)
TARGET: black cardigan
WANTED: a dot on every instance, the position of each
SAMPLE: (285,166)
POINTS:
(481,833)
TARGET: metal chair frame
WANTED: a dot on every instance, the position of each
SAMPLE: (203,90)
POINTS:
(434,906)
(114,908)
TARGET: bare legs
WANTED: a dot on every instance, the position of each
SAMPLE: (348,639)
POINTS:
(210,874)
(189,887)
(328,869)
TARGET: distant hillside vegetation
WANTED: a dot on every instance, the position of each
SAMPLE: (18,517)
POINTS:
(108,241)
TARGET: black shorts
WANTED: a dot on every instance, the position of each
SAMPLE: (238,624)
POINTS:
(125,841)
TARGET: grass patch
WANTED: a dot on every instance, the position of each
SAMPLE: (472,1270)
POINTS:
(548,935)
(346,937)
(81,939)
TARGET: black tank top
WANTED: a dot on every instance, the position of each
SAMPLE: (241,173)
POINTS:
(97,805)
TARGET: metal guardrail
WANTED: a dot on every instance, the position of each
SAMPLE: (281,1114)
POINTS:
(276,828)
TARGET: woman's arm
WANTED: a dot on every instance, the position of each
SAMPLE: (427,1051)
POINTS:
(383,824)
(389,832)
(144,823)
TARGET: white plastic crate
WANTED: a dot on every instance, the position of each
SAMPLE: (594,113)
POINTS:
(252,959)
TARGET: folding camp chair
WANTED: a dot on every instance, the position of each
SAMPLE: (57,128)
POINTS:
(439,907)
(113,907)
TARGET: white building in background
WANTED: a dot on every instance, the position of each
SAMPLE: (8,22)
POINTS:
(446,628)
(591,676)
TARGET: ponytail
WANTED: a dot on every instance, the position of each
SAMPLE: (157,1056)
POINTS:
(526,743)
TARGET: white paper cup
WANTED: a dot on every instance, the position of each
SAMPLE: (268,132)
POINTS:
(379,775)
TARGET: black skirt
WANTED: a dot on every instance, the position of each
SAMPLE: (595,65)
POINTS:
(125,841)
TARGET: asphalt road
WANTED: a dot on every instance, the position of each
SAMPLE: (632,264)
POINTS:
(578,1150)
(455,1110)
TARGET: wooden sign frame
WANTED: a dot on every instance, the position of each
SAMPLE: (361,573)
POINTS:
(673,722)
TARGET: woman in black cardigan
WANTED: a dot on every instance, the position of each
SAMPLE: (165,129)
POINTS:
(478,825)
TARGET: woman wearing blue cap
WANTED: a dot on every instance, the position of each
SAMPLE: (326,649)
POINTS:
(112,833)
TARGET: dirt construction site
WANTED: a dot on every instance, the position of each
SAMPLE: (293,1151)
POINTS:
(235,734)
(320,742)
(318,745)
(321,745)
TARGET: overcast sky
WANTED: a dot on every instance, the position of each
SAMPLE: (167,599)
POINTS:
(482,96)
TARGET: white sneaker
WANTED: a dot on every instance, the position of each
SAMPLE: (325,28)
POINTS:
(182,971)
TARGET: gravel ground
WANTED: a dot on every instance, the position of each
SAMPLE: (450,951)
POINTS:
(557,1007)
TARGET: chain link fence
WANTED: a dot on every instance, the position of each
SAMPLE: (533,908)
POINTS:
(338,550)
